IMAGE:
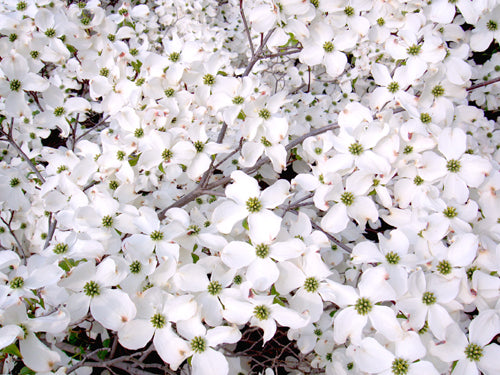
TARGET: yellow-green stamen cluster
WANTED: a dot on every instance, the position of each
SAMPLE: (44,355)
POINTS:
(328,47)
(214,288)
(265,114)
(453,166)
(392,257)
(444,267)
(92,289)
(262,250)
(363,306)
(253,205)
(473,352)
(347,198)
(158,320)
(208,79)
(107,221)
(262,312)
(60,248)
(400,366)
(356,149)
(311,284)
(135,266)
(450,212)
(16,282)
(428,298)
(198,344)
(156,235)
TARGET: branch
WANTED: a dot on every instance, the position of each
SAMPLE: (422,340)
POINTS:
(50,231)
(12,142)
(282,53)
(247,29)
(99,124)
(257,55)
(19,245)
(482,84)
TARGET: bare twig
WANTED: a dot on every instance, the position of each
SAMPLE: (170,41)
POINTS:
(482,84)
(51,230)
(247,29)
(98,125)
(11,231)
(257,55)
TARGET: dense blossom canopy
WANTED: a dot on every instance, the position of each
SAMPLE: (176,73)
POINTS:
(177,175)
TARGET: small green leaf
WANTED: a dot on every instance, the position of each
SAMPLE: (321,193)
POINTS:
(195,257)
(12,349)
(245,224)
(27,371)
(160,167)
(102,354)
(133,159)
(106,343)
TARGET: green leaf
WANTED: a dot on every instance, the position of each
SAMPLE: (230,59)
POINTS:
(136,65)
(160,167)
(102,354)
(195,257)
(27,371)
(133,159)
(106,343)
(245,224)
(12,349)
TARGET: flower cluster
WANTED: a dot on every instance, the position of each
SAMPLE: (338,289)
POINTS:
(175,174)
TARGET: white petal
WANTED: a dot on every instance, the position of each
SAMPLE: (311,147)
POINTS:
(223,335)
(463,251)
(336,219)
(112,308)
(372,357)
(384,320)
(262,273)
(243,188)
(489,363)
(191,278)
(452,143)
(238,254)
(287,317)
(170,347)
(263,226)
(9,334)
(210,362)
(366,252)
(36,355)
(228,214)
(348,324)
(275,194)
(136,334)
(335,63)
(484,327)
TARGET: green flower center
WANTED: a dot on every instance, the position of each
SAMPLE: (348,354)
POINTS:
(428,298)
(437,91)
(450,212)
(104,72)
(492,25)
(12,37)
(392,257)
(315,3)
(238,279)
(92,289)
(214,288)
(311,284)
(418,180)
(424,328)
(400,366)
(158,320)
(444,267)
(21,6)
(34,54)
(139,133)
(356,149)
(238,100)
(169,92)
(408,149)
(174,56)
(473,352)
(60,248)
(393,87)
(198,344)
(15,85)
(134,51)
(363,306)
(328,47)
(14,181)
(265,142)
(167,155)
(262,312)
(208,79)
(254,205)
(59,111)
(347,198)
(156,235)
(453,166)
(111,37)
(135,266)
(265,114)
(380,21)
(262,250)
(413,50)
(193,230)
(425,118)
(50,33)
(199,146)
(349,11)
(120,155)
(470,271)
(16,282)
(107,221)
(113,185)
